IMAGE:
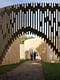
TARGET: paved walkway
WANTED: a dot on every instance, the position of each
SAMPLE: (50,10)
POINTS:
(30,70)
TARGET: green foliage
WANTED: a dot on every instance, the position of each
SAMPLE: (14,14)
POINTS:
(6,68)
(51,71)
(22,38)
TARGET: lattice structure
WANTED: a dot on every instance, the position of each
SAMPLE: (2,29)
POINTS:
(42,19)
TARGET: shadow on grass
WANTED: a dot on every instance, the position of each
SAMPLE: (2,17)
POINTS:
(6,68)
(51,71)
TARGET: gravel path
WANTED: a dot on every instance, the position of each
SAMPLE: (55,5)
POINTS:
(30,70)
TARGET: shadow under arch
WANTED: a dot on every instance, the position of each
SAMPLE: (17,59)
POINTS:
(24,30)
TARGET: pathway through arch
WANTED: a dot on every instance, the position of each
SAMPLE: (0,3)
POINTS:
(30,70)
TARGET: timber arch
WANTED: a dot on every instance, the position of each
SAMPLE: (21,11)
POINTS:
(42,19)
(24,30)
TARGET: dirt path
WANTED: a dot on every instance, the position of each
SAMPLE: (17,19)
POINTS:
(30,70)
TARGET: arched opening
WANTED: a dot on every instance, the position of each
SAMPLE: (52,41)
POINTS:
(29,46)
(33,31)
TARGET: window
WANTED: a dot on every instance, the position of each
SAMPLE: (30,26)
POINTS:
(56,33)
(12,25)
(51,29)
(33,11)
(40,23)
(42,11)
(54,19)
(49,22)
(58,23)
(47,18)
(29,4)
(14,19)
(24,11)
(44,19)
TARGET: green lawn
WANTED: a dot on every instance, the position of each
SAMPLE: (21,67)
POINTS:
(6,68)
(51,71)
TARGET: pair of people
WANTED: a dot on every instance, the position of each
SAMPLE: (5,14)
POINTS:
(33,55)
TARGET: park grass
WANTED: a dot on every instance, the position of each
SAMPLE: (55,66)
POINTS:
(6,68)
(51,71)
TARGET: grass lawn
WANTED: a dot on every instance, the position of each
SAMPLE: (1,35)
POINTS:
(6,68)
(51,71)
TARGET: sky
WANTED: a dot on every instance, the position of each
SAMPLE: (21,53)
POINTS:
(4,3)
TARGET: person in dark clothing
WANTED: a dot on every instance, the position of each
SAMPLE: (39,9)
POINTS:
(34,55)
(31,56)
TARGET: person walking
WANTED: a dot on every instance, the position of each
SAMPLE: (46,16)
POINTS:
(31,54)
(34,55)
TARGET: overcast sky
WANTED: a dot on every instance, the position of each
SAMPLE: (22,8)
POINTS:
(4,3)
